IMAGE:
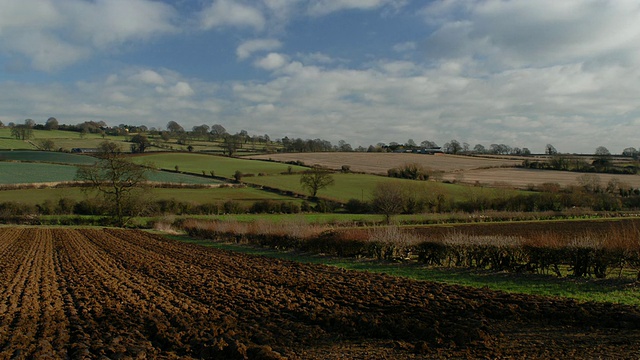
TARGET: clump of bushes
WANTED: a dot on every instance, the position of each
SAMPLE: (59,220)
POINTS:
(411,171)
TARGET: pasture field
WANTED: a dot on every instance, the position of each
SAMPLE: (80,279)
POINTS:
(360,187)
(12,143)
(222,166)
(87,293)
(47,157)
(26,173)
(196,196)
(62,139)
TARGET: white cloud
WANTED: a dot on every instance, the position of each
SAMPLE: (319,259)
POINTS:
(249,47)
(524,33)
(405,46)
(181,89)
(272,61)
(148,77)
(106,22)
(45,51)
(231,13)
(56,34)
(324,7)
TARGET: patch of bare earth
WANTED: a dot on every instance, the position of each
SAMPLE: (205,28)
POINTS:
(89,294)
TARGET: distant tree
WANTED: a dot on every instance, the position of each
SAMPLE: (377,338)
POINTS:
(183,138)
(140,143)
(630,152)
(388,198)
(316,179)
(559,162)
(602,151)
(237,175)
(201,131)
(22,131)
(218,131)
(51,124)
(393,146)
(480,149)
(231,144)
(526,151)
(465,147)
(117,179)
(344,146)
(428,144)
(165,136)
(29,123)
(550,150)
(47,144)
(452,147)
(410,144)
(603,159)
(174,127)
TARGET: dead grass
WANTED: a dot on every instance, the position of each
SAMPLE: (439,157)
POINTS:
(522,178)
(379,163)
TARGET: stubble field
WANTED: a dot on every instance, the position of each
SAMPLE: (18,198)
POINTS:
(87,293)
(487,171)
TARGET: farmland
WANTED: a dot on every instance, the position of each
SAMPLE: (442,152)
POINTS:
(486,171)
(27,173)
(75,293)
(222,166)
(379,163)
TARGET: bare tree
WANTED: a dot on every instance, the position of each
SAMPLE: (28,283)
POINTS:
(315,180)
(388,199)
(117,179)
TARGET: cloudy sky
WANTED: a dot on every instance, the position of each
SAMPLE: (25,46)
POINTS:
(523,73)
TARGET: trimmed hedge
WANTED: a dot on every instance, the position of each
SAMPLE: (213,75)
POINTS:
(494,253)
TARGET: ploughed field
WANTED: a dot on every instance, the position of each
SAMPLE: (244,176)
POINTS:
(87,293)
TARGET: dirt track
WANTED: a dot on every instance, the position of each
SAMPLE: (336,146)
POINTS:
(127,294)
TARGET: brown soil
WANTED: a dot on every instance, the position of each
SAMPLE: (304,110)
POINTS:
(127,294)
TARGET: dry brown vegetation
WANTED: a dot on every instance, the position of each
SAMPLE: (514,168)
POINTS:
(523,178)
(484,170)
(379,163)
(88,293)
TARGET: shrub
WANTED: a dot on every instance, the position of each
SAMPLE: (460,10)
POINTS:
(355,206)
(411,171)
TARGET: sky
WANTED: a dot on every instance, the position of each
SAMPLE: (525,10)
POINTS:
(517,72)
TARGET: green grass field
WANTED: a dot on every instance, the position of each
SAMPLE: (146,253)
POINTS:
(196,196)
(61,139)
(222,166)
(361,186)
(47,157)
(25,173)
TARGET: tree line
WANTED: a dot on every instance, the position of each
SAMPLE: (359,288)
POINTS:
(231,142)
